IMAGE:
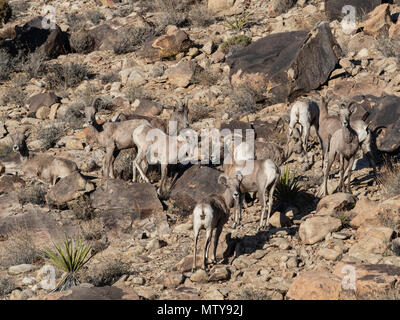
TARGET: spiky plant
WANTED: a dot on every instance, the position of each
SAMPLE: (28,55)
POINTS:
(239,22)
(69,256)
(287,187)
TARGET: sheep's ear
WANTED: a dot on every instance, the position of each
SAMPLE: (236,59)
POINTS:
(222,179)
(352,107)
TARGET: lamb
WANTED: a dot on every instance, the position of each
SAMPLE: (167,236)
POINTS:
(154,146)
(343,143)
(306,113)
(111,136)
(212,213)
(43,166)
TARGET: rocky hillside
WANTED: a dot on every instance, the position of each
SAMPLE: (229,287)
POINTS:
(236,64)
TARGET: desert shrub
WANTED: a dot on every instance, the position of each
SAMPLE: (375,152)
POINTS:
(235,43)
(170,12)
(50,135)
(35,194)
(251,294)
(65,75)
(14,95)
(6,65)
(344,218)
(76,21)
(20,249)
(199,111)
(130,38)
(82,41)
(200,16)
(204,78)
(34,65)
(19,7)
(107,273)
(7,285)
(244,100)
(389,180)
(75,117)
(132,93)
(95,16)
(287,187)
(82,208)
(5,11)
(123,164)
(69,256)
(109,77)
(389,47)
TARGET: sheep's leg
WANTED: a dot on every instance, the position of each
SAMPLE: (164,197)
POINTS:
(235,214)
(270,199)
(341,171)
(306,135)
(107,161)
(216,238)
(207,247)
(350,166)
(196,236)
(327,167)
(164,176)
(135,165)
(261,198)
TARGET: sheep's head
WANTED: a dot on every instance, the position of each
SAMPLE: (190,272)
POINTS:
(90,112)
(345,114)
(233,184)
(19,141)
(294,144)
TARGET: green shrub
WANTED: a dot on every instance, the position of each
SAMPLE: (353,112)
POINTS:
(235,43)
(239,22)
(69,256)
(287,187)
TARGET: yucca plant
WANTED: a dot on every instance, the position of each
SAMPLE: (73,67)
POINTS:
(287,187)
(239,22)
(69,256)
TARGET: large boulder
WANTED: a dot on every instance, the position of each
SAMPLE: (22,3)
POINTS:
(118,195)
(384,119)
(184,73)
(334,8)
(196,184)
(9,183)
(69,188)
(285,65)
(34,35)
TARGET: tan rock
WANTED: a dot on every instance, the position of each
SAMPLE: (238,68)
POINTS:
(337,202)
(42,113)
(220,5)
(315,285)
(316,228)
(377,21)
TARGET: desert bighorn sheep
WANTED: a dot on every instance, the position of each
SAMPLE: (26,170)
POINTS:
(343,143)
(306,113)
(44,166)
(263,174)
(154,146)
(111,136)
(180,116)
(212,213)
